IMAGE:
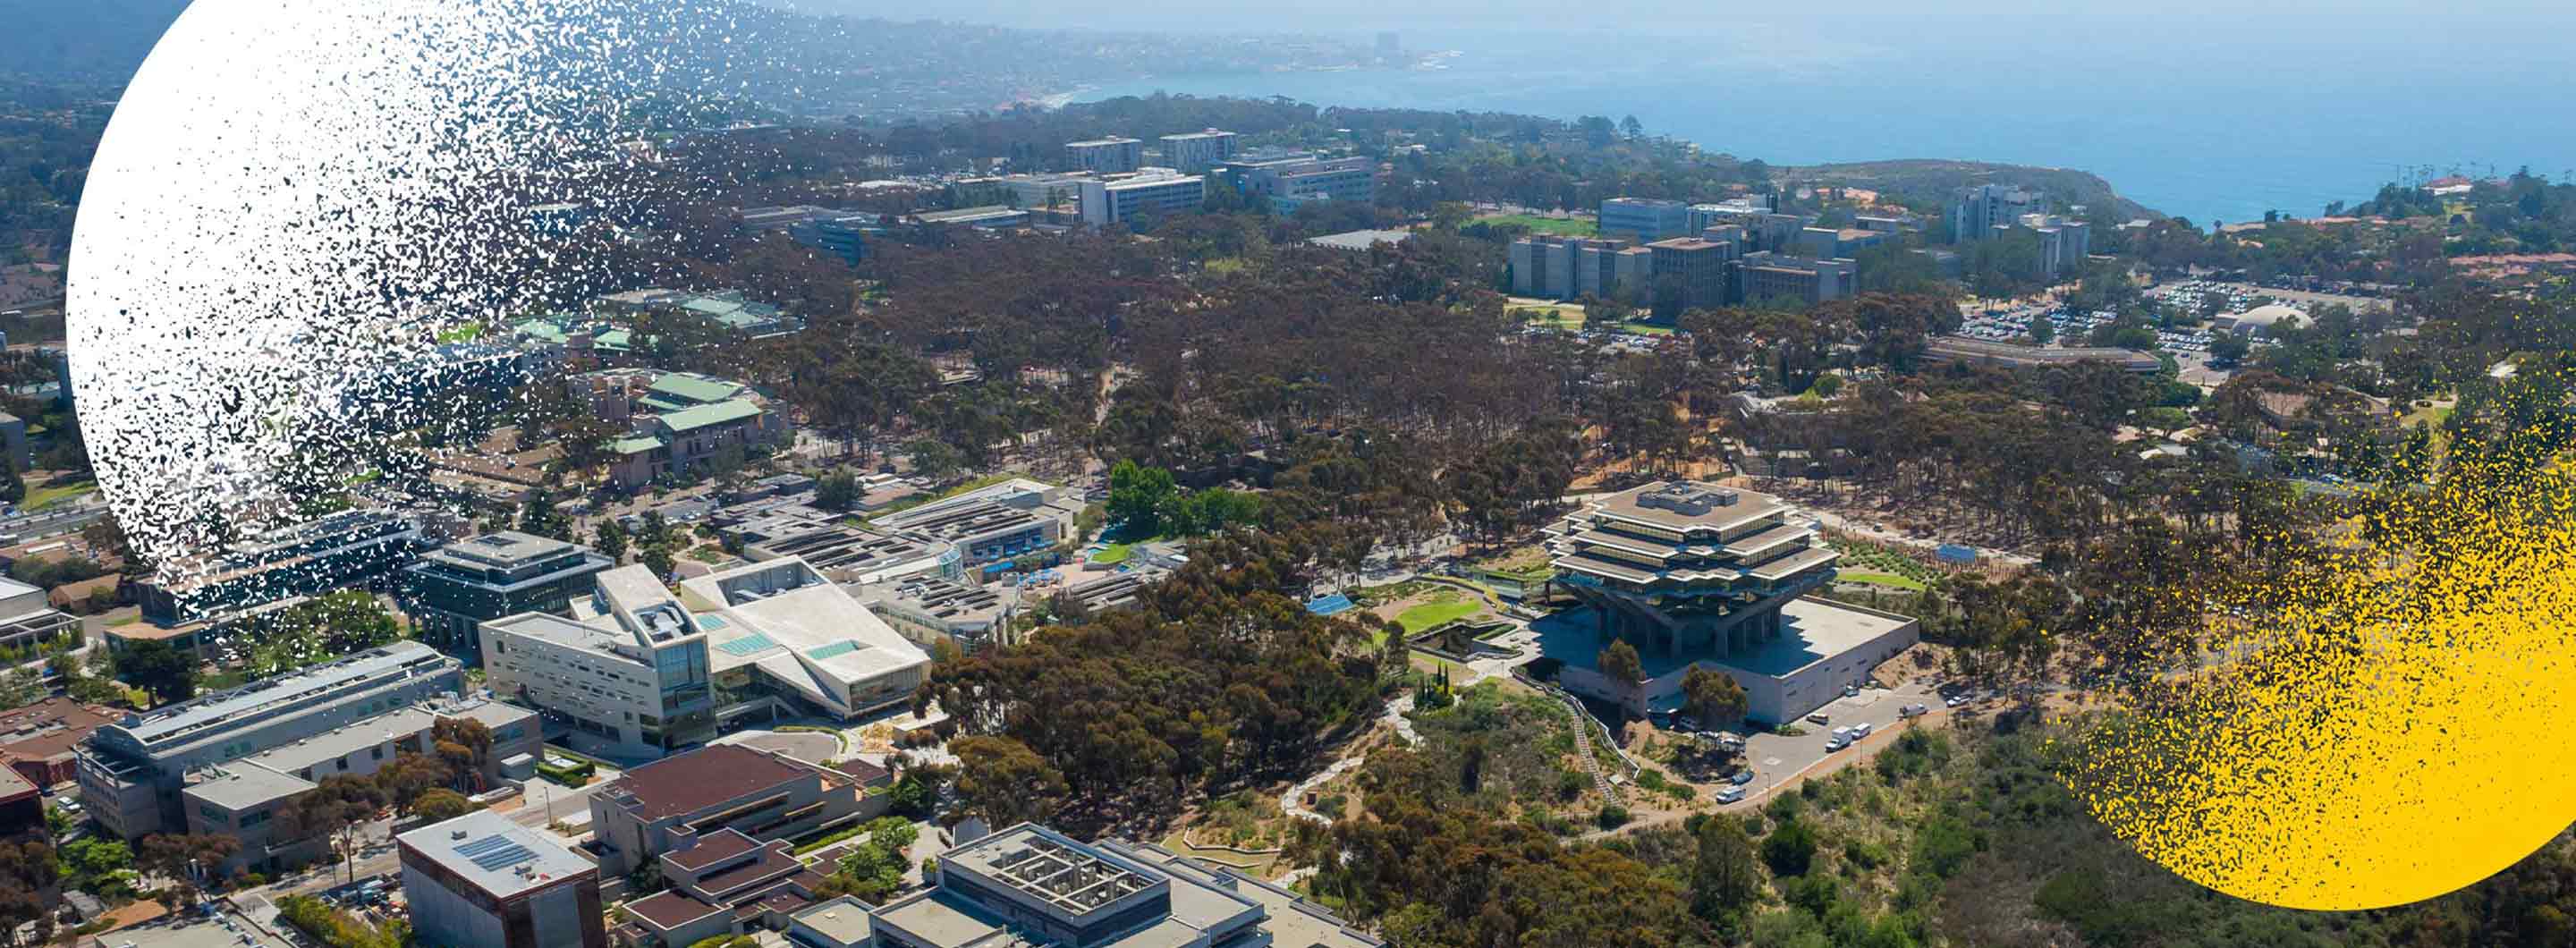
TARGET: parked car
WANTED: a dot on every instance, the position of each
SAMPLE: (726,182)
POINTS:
(1819,718)
(1741,777)
(1860,730)
(1912,711)
(1730,795)
(1851,691)
(1837,743)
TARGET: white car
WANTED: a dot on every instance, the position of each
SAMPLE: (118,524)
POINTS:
(1860,730)
(1730,795)
(1837,743)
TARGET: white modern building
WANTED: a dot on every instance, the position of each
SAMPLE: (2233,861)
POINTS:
(637,671)
(1198,151)
(1153,194)
(1105,155)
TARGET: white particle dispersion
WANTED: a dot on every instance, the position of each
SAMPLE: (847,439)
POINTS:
(294,199)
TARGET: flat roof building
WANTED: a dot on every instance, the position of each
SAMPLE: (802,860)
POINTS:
(42,741)
(1645,220)
(483,880)
(452,590)
(1109,155)
(1141,199)
(1294,179)
(637,671)
(1029,885)
(1195,152)
(1763,276)
(930,609)
(28,620)
(679,803)
(852,554)
(242,798)
(131,771)
(994,523)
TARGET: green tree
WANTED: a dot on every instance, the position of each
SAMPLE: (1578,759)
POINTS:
(13,488)
(1713,696)
(160,669)
(1620,663)
(610,538)
(1790,849)
(442,804)
(838,490)
(933,458)
(1725,880)
(658,558)
(1139,497)
(1003,781)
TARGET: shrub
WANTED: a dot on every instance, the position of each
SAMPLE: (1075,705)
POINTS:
(1612,816)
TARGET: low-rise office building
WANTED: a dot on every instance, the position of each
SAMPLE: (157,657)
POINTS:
(1141,198)
(483,880)
(725,884)
(42,741)
(1029,885)
(1292,180)
(843,234)
(995,523)
(132,772)
(1645,220)
(852,554)
(930,609)
(1195,152)
(451,591)
(29,623)
(1109,155)
(241,798)
(637,671)
(685,800)
(1763,276)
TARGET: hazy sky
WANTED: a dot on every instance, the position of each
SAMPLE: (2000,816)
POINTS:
(1336,16)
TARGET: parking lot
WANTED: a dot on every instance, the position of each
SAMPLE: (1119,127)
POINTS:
(1777,759)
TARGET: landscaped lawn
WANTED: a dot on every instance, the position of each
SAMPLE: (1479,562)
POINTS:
(1114,554)
(39,498)
(1428,615)
(1884,579)
(1573,227)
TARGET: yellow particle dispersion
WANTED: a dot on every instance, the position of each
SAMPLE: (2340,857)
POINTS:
(2384,723)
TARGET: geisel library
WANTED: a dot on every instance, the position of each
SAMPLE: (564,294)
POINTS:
(1693,574)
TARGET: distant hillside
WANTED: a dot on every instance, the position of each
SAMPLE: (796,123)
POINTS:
(1932,180)
(88,40)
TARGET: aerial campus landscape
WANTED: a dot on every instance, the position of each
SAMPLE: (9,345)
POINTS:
(969,516)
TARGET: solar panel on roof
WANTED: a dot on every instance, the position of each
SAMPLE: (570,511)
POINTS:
(752,644)
(493,853)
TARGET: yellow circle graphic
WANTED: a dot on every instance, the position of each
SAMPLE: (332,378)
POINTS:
(2374,725)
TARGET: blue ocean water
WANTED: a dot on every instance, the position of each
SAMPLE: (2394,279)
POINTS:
(2207,119)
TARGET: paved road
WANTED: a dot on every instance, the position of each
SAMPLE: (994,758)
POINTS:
(1780,762)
